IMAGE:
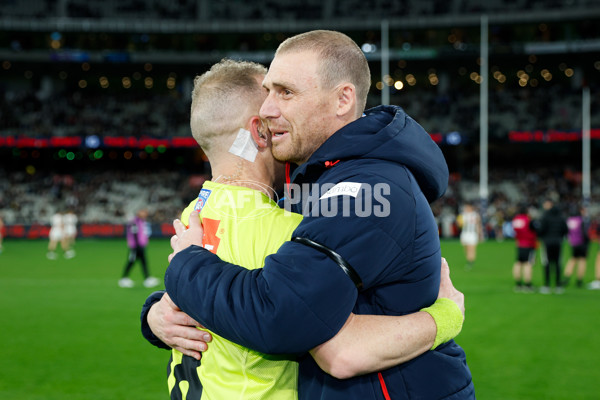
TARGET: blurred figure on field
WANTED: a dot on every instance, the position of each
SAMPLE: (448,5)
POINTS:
(138,234)
(595,284)
(56,235)
(578,237)
(1,233)
(526,241)
(447,222)
(471,232)
(551,229)
(70,233)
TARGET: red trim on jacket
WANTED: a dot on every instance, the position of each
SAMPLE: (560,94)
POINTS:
(386,395)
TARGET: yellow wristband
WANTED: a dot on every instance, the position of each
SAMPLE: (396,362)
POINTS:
(448,318)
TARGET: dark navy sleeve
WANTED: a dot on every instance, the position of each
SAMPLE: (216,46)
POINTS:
(300,299)
(146,331)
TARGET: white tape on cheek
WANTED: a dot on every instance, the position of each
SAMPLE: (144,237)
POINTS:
(243,146)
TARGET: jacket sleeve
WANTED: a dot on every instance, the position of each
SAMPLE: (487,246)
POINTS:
(298,300)
(146,331)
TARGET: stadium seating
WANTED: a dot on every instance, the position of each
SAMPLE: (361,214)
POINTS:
(112,196)
(96,196)
(48,105)
(239,10)
(81,113)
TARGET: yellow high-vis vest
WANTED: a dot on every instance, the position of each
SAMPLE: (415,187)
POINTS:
(241,226)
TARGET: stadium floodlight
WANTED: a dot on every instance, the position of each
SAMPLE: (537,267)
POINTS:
(92,141)
(453,138)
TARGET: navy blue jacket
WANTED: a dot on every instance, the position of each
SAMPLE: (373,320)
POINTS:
(385,232)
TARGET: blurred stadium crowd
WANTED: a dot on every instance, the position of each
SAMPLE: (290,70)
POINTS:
(510,190)
(267,9)
(98,68)
(80,113)
(96,196)
(112,196)
(136,113)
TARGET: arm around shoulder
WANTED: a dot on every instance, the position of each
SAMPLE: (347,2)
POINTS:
(370,343)
(146,331)
(299,299)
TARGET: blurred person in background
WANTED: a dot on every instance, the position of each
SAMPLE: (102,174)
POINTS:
(595,284)
(526,241)
(471,232)
(551,229)
(56,235)
(70,233)
(578,237)
(1,233)
(138,234)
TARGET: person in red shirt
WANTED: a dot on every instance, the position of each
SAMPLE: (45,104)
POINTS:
(526,240)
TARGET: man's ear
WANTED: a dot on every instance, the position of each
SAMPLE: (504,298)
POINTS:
(346,99)
(258,132)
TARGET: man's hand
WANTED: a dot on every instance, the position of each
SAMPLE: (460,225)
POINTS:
(448,290)
(177,329)
(185,237)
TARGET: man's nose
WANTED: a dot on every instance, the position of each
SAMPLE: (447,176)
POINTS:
(269,108)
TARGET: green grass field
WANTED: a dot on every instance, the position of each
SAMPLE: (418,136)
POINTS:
(69,332)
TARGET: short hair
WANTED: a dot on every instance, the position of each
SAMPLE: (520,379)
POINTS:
(223,98)
(341,60)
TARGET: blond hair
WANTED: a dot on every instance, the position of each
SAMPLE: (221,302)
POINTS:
(341,60)
(223,99)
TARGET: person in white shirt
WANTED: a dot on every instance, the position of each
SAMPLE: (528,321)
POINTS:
(56,235)
(69,234)
(471,232)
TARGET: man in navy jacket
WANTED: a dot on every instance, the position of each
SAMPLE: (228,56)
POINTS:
(368,242)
